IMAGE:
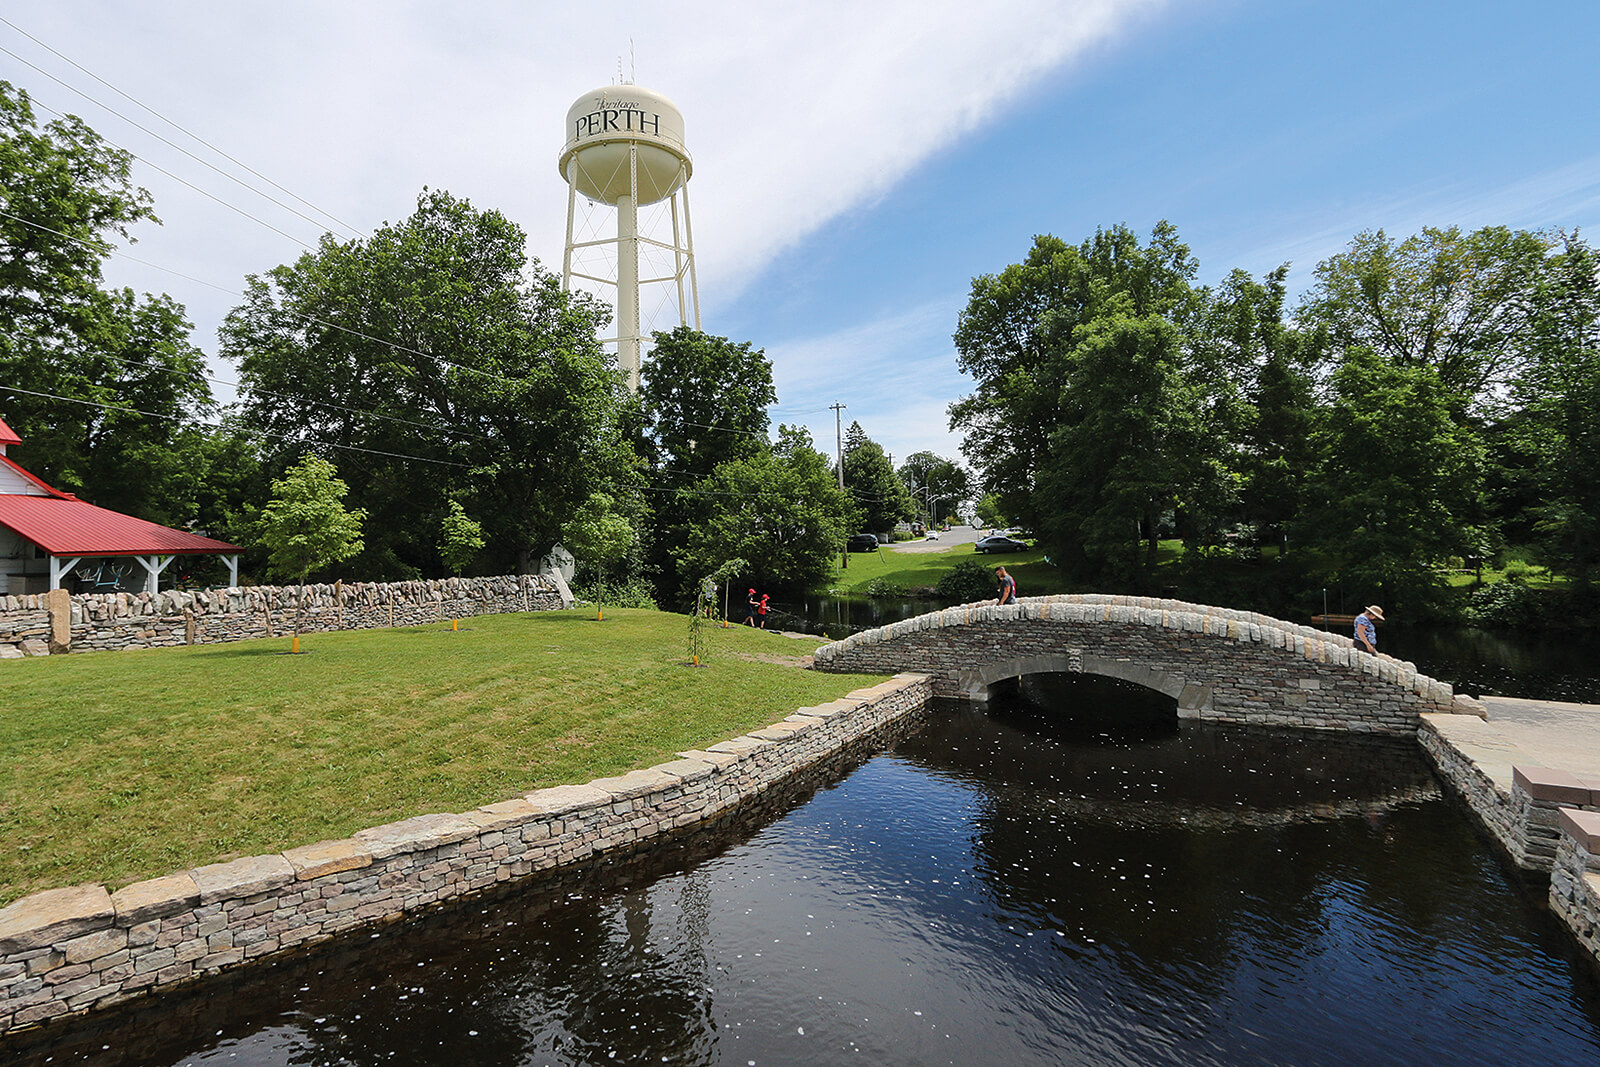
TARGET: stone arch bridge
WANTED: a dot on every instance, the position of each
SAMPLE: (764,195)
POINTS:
(1217,664)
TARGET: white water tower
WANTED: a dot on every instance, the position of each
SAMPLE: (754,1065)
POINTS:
(625,149)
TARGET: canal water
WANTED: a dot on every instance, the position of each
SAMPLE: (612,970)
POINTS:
(1072,878)
(1078,883)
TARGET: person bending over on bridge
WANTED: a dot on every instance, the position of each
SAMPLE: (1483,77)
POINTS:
(1008,586)
(1367,630)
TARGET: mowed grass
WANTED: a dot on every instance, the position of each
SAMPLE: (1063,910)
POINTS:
(120,766)
(915,570)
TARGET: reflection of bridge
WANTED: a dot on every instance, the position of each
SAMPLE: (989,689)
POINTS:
(1216,663)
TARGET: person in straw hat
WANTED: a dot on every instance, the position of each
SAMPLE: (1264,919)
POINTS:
(1367,628)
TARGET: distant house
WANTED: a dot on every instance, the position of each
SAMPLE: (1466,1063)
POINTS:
(49,539)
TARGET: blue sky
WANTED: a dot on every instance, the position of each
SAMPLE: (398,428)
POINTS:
(856,165)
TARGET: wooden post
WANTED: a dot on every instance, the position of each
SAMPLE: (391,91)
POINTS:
(58,602)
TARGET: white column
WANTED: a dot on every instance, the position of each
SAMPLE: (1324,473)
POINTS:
(233,571)
(628,274)
(153,566)
(58,568)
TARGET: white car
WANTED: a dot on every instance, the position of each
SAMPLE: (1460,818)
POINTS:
(931,535)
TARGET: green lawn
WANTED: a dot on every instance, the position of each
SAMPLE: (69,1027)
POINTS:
(913,570)
(127,765)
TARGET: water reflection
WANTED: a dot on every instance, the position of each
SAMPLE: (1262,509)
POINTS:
(1008,886)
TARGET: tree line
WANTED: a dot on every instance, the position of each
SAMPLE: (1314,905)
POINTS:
(450,389)
(1426,404)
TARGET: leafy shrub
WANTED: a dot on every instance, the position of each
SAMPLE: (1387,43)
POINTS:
(883,587)
(967,581)
(633,594)
(1509,603)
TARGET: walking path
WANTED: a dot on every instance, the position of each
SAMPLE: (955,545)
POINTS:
(1527,733)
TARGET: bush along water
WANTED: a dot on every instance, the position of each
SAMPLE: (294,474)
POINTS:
(967,581)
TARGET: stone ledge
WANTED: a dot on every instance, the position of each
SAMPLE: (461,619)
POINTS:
(156,898)
(636,784)
(1584,828)
(54,915)
(241,878)
(328,857)
(565,799)
(416,834)
(1551,785)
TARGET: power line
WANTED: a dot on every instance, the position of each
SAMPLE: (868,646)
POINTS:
(178,148)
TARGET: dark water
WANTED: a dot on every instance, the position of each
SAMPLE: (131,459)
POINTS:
(1002,887)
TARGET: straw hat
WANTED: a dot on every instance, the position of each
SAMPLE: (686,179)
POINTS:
(1375,611)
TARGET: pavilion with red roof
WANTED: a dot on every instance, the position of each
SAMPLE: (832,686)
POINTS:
(45,532)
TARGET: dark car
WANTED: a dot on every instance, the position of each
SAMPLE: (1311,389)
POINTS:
(863,543)
(999,543)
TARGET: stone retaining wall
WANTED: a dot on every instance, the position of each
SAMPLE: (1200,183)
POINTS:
(98,621)
(1575,877)
(1218,664)
(72,950)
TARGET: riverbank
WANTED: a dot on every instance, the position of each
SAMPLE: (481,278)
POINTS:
(128,765)
(73,949)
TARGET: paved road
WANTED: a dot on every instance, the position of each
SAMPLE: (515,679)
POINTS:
(956,535)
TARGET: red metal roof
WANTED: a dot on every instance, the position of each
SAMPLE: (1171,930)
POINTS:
(63,526)
(8,436)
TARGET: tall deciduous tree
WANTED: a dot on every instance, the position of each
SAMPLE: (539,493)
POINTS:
(443,363)
(1452,301)
(1398,478)
(1560,427)
(879,496)
(705,402)
(129,377)
(1017,330)
(780,509)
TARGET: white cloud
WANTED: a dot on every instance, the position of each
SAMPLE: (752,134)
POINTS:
(794,114)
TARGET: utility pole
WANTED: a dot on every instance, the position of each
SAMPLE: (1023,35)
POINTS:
(838,442)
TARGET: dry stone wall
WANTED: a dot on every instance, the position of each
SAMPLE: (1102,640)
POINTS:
(1575,877)
(71,950)
(1220,665)
(99,621)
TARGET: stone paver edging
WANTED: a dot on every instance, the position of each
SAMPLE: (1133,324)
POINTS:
(70,950)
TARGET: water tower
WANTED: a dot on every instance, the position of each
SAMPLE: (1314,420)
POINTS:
(625,149)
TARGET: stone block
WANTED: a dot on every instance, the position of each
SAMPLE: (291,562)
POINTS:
(156,898)
(636,784)
(328,857)
(420,833)
(1550,785)
(241,878)
(686,770)
(565,799)
(54,915)
(91,947)
(1584,828)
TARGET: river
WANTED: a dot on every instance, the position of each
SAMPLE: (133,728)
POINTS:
(1023,884)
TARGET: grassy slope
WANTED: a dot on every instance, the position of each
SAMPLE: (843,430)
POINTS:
(127,765)
(911,570)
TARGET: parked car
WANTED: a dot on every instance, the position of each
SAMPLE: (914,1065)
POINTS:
(999,543)
(931,535)
(863,542)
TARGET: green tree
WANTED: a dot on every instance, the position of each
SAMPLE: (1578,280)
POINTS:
(460,538)
(1016,332)
(937,484)
(1130,448)
(1560,395)
(598,536)
(780,509)
(1443,299)
(306,527)
(442,363)
(704,400)
(880,497)
(989,513)
(131,378)
(1398,479)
